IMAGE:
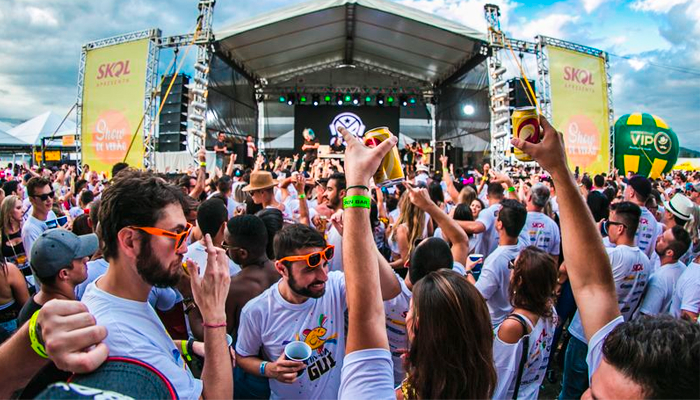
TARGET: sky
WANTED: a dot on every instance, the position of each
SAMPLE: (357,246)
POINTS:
(654,44)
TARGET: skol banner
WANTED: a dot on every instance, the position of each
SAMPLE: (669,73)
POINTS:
(114,87)
(580,108)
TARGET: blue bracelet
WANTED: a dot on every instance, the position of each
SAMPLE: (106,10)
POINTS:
(262,368)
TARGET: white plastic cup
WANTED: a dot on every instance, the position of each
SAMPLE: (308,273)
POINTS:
(297,351)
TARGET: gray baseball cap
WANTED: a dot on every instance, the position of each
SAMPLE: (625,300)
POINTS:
(55,249)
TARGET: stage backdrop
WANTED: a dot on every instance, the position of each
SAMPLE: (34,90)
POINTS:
(580,108)
(114,87)
(325,120)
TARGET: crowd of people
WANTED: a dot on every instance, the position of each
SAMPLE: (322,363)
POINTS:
(458,283)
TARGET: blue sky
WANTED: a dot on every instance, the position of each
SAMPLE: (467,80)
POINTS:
(40,43)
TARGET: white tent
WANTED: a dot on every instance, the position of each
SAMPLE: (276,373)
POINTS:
(43,126)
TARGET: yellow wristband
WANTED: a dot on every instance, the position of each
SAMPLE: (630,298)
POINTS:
(36,346)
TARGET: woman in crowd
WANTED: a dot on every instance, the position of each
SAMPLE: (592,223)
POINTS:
(12,248)
(448,325)
(523,341)
(476,206)
(409,228)
(13,295)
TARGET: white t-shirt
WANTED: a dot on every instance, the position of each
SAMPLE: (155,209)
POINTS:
(198,253)
(494,281)
(134,330)
(506,357)
(269,322)
(366,374)
(659,292)
(630,268)
(335,239)
(595,346)
(32,229)
(647,232)
(687,293)
(488,239)
(542,232)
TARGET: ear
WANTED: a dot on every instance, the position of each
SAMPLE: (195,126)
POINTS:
(220,232)
(281,269)
(128,243)
(244,254)
(342,193)
(63,274)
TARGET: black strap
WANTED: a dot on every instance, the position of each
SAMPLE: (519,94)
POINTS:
(523,357)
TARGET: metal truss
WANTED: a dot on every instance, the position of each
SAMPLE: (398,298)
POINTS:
(498,90)
(127,37)
(176,40)
(332,90)
(149,104)
(543,83)
(611,111)
(548,41)
(79,111)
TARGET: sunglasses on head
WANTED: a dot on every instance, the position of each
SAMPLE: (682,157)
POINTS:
(45,196)
(178,237)
(315,259)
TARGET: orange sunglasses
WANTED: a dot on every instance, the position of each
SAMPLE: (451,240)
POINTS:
(313,260)
(179,237)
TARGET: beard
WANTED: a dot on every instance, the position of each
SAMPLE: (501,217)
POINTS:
(153,271)
(305,291)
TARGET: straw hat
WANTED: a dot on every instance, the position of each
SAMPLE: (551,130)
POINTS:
(260,180)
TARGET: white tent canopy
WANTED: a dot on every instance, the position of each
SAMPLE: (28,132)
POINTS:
(379,35)
(42,126)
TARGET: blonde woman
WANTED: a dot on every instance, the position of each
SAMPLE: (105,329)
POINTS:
(408,228)
(12,249)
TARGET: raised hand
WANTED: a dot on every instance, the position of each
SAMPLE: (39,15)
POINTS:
(549,153)
(418,196)
(300,183)
(443,161)
(210,291)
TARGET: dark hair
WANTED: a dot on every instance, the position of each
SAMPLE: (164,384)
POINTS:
(273,219)
(534,281)
(10,187)
(294,237)
(135,198)
(87,197)
(599,180)
(81,225)
(463,212)
(436,193)
(629,214)
(339,179)
(250,233)
(680,243)
(586,182)
(661,354)
(430,255)
(495,191)
(80,184)
(453,329)
(35,183)
(211,214)
(223,185)
(184,181)
(513,215)
(118,167)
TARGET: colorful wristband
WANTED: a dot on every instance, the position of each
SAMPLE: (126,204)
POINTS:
(511,189)
(185,353)
(357,202)
(37,346)
(262,368)
(302,196)
(202,164)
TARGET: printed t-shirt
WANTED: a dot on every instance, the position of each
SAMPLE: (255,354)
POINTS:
(269,322)
(542,232)
(647,232)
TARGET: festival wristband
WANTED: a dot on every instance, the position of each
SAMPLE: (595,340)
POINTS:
(511,189)
(184,344)
(207,325)
(34,338)
(363,187)
(202,164)
(302,196)
(262,368)
(357,202)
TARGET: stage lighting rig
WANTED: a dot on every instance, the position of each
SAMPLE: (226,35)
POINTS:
(302,99)
(283,98)
(347,98)
(339,100)
(327,99)
(380,99)
(291,98)
(403,100)
(315,99)
(412,100)
(390,100)
(368,99)
(356,99)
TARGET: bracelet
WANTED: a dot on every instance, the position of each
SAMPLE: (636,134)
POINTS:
(511,189)
(37,346)
(302,196)
(221,325)
(363,187)
(203,164)
(185,344)
(262,368)
(357,202)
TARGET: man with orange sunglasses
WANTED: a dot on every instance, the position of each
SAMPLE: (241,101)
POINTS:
(308,304)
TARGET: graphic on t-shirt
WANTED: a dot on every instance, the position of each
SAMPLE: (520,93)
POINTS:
(314,337)
(322,361)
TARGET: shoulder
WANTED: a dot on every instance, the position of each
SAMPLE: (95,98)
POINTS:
(511,331)
(259,303)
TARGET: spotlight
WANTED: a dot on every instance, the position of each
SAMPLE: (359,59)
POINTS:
(403,100)
(347,98)
(390,100)
(290,99)
(412,100)
(380,99)
(302,99)
(368,99)
(339,100)
(283,99)
(327,99)
(356,99)
(315,99)
(468,109)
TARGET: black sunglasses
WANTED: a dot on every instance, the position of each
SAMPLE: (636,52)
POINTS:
(608,223)
(44,196)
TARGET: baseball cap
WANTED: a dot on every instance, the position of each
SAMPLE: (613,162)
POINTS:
(55,249)
(680,206)
(641,185)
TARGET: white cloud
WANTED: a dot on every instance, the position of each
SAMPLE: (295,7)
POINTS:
(636,63)
(591,5)
(41,17)
(657,6)
(466,12)
(553,25)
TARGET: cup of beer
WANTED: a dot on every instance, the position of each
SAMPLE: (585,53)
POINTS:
(476,270)
(526,126)
(390,171)
(297,351)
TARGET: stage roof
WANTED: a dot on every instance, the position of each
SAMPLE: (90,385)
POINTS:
(377,35)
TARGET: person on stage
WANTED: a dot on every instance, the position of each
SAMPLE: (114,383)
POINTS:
(250,152)
(310,146)
(221,150)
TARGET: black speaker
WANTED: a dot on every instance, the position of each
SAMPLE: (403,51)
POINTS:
(518,93)
(172,123)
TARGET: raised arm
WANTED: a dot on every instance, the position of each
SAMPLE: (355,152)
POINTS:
(300,185)
(587,263)
(365,307)
(447,178)
(201,175)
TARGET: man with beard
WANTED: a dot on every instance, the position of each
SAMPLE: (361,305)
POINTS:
(308,304)
(143,228)
(334,194)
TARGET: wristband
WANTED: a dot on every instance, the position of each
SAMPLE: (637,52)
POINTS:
(511,189)
(203,164)
(37,346)
(363,187)
(185,344)
(262,368)
(302,196)
(221,325)
(357,202)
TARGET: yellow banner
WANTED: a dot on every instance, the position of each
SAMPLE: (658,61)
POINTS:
(580,108)
(114,88)
(51,155)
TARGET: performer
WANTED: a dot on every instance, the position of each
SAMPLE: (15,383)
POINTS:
(221,150)
(310,146)
(250,152)
(337,145)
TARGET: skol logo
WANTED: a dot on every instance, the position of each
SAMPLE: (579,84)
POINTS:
(113,70)
(578,75)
